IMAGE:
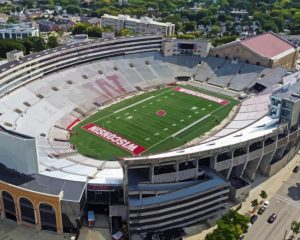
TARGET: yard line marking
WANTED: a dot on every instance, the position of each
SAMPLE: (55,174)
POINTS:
(192,124)
(129,106)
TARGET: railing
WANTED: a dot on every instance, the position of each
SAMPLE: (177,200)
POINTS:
(293,136)
(240,159)
(270,148)
(282,141)
(255,154)
(186,174)
(223,165)
(164,178)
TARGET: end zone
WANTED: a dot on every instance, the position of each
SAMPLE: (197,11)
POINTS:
(114,138)
(202,95)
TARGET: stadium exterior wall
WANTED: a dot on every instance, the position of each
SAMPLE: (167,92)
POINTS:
(268,154)
(36,198)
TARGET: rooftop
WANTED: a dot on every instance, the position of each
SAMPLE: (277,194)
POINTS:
(72,190)
(267,45)
(290,92)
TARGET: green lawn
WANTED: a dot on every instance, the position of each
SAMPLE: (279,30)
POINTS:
(136,119)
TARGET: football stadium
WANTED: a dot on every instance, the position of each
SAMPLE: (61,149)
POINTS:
(151,143)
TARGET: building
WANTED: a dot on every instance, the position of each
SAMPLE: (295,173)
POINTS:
(268,49)
(122,2)
(144,25)
(14,55)
(174,46)
(152,193)
(18,31)
(94,21)
(47,26)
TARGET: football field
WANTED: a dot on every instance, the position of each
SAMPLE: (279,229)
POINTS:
(149,123)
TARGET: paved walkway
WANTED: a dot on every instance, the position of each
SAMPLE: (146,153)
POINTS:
(11,231)
(270,185)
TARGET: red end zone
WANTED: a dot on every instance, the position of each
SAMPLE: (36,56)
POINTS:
(202,95)
(113,138)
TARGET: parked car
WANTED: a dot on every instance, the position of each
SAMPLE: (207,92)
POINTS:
(296,169)
(261,210)
(272,218)
(266,204)
(253,218)
(248,225)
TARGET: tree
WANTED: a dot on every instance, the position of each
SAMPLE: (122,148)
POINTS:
(51,2)
(7,45)
(263,194)
(34,44)
(215,29)
(229,227)
(94,32)
(189,26)
(11,20)
(73,9)
(52,42)
(254,203)
(29,3)
(125,32)
(80,28)
(295,227)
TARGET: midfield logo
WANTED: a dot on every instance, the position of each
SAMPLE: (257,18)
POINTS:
(161,113)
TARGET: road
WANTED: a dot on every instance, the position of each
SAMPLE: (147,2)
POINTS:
(286,204)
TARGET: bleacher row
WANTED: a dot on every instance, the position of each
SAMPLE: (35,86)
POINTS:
(228,74)
(250,111)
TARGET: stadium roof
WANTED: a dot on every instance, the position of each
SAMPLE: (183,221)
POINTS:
(267,45)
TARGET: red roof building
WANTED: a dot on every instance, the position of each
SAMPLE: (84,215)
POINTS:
(267,45)
(268,49)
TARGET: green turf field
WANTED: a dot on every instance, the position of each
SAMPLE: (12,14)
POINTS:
(183,118)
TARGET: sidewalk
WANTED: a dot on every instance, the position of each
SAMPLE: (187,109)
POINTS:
(270,185)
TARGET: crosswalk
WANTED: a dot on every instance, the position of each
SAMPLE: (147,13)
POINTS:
(287,200)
